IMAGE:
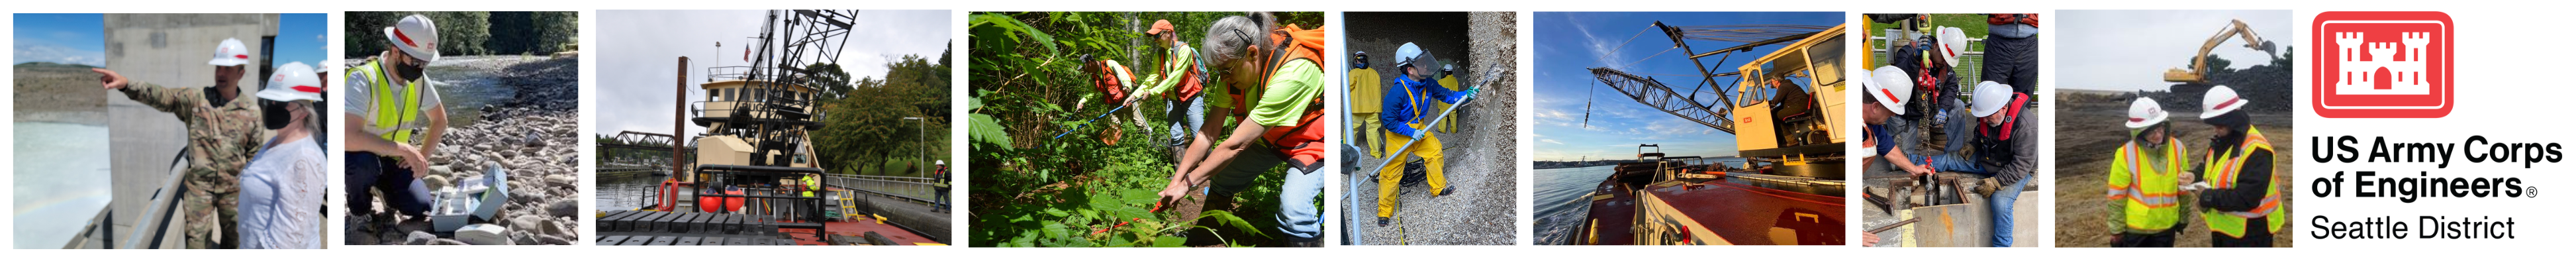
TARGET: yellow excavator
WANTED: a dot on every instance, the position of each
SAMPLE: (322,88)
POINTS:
(2193,75)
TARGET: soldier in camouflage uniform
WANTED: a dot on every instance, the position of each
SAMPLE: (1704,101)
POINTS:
(223,132)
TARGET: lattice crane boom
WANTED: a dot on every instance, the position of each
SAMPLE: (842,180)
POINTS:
(1654,94)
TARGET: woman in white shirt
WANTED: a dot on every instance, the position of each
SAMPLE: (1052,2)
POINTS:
(281,189)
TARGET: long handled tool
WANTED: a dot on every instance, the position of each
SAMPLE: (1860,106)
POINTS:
(1493,73)
(1444,115)
(1087,123)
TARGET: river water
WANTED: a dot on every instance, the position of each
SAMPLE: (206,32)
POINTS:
(61,180)
(623,192)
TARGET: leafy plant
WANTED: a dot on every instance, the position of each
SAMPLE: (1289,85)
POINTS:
(1034,189)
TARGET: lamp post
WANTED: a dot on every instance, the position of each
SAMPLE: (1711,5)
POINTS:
(919,129)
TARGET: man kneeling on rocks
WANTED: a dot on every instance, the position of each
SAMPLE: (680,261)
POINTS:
(390,101)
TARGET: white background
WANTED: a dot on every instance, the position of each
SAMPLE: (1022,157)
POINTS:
(2507,53)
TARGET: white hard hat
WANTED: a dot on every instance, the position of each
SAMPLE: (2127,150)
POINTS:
(1404,54)
(416,36)
(1446,67)
(941,162)
(1953,43)
(2220,100)
(292,82)
(230,53)
(1991,98)
(2145,112)
(1891,86)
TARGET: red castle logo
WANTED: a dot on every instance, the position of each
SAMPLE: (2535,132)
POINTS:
(2382,65)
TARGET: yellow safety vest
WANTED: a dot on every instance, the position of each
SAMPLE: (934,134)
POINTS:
(392,109)
(2148,187)
(2222,173)
(812,184)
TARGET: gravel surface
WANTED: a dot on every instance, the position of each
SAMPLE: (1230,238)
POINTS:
(1482,157)
(58,94)
(531,137)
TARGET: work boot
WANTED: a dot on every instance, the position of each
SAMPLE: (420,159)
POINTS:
(1445,191)
(1383,221)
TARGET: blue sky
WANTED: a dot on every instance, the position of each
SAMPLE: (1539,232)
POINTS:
(300,39)
(58,38)
(80,39)
(1569,43)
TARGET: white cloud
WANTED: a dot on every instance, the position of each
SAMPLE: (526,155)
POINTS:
(1553,141)
(23,53)
(640,47)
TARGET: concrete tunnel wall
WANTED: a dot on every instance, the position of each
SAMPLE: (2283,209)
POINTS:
(169,50)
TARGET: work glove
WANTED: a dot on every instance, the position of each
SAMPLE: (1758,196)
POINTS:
(1988,186)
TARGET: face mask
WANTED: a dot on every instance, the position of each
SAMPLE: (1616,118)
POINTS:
(274,115)
(408,71)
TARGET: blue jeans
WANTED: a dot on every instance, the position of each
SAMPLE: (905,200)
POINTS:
(403,191)
(1186,116)
(2002,202)
(1298,216)
(1957,163)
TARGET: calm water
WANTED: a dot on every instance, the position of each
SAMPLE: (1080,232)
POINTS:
(466,90)
(623,192)
(61,180)
(1561,190)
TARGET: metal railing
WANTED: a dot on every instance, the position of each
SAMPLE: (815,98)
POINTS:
(915,188)
(1971,65)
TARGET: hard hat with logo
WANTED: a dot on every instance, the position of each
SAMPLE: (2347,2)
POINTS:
(1953,43)
(2145,113)
(1891,86)
(415,36)
(2219,101)
(1991,98)
(1160,26)
(230,53)
(293,82)
(1404,54)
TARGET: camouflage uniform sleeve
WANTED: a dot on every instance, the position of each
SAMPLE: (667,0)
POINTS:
(178,101)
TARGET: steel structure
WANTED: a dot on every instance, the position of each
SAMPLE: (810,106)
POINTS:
(640,152)
(788,42)
(1654,94)
(1688,105)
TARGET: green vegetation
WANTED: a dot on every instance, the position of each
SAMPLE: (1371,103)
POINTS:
(1973,25)
(470,33)
(1097,186)
(864,130)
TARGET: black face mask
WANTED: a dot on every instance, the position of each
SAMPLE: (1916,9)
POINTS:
(408,71)
(273,114)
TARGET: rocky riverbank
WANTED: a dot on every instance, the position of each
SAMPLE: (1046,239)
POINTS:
(531,138)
